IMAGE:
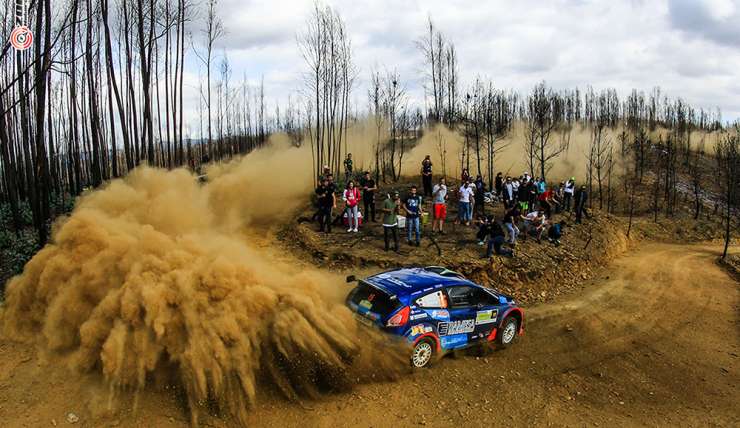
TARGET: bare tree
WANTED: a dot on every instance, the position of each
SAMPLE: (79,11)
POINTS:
(544,116)
(728,161)
(213,31)
(327,50)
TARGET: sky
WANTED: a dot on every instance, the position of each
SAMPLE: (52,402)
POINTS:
(690,48)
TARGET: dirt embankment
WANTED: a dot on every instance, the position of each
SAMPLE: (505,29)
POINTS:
(537,272)
(731,263)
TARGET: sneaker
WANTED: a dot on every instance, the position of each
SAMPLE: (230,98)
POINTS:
(355,230)
(410,243)
(418,243)
(480,243)
(349,230)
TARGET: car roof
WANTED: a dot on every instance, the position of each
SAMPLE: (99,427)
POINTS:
(408,281)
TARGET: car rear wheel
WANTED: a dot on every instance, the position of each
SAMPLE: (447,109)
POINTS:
(507,334)
(422,354)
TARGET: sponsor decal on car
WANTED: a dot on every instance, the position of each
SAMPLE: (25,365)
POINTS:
(394,280)
(365,304)
(456,327)
(486,317)
(448,341)
(419,316)
(441,313)
(420,329)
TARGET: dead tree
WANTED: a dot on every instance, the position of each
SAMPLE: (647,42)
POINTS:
(728,161)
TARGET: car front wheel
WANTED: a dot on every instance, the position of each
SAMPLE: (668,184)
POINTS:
(422,354)
(509,329)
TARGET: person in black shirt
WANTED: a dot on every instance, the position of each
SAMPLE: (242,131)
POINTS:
(499,184)
(480,195)
(581,198)
(496,241)
(523,195)
(326,201)
(426,175)
(368,195)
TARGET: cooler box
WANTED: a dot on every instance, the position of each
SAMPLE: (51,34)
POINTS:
(401,222)
(346,218)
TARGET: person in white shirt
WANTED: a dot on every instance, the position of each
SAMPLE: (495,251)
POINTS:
(465,209)
(570,188)
(534,223)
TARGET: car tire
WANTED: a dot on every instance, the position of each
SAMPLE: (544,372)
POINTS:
(508,332)
(422,353)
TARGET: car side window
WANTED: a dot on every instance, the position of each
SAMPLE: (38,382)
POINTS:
(486,298)
(462,296)
(435,300)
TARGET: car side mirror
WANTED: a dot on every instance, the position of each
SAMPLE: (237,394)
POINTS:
(351,278)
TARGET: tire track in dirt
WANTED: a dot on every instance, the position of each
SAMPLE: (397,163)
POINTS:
(654,344)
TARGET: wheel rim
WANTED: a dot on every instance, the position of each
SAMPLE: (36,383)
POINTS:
(509,332)
(422,354)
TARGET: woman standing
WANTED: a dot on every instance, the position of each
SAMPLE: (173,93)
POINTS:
(351,197)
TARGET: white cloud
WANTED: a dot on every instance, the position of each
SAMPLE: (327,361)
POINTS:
(690,48)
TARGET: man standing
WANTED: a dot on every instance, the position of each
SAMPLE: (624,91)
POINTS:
(480,195)
(509,195)
(570,188)
(390,219)
(412,205)
(559,196)
(426,175)
(465,195)
(499,184)
(524,194)
(439,193)
(348,167)
(368,196)
(326,201)
(579,204)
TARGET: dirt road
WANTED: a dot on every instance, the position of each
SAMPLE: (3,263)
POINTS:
(654,341)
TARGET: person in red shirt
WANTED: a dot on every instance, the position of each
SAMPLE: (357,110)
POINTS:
(547,199)
(351,197)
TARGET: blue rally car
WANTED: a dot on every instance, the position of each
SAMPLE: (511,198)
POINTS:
(436,310)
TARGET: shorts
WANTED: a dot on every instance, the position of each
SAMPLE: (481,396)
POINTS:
(440,211)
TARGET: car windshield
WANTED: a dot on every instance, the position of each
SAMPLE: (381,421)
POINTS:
(373,299)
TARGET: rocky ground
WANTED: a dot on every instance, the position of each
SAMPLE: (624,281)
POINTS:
(539,271)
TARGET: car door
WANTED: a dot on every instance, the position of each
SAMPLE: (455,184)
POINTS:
(459,331)
(487,312)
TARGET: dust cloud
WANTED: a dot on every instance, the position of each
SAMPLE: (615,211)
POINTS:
(445,148)
(156,273)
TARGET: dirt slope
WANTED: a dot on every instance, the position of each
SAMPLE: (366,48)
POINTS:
(654,341)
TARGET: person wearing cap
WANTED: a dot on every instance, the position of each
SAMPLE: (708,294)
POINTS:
(390,219)
(570,188)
